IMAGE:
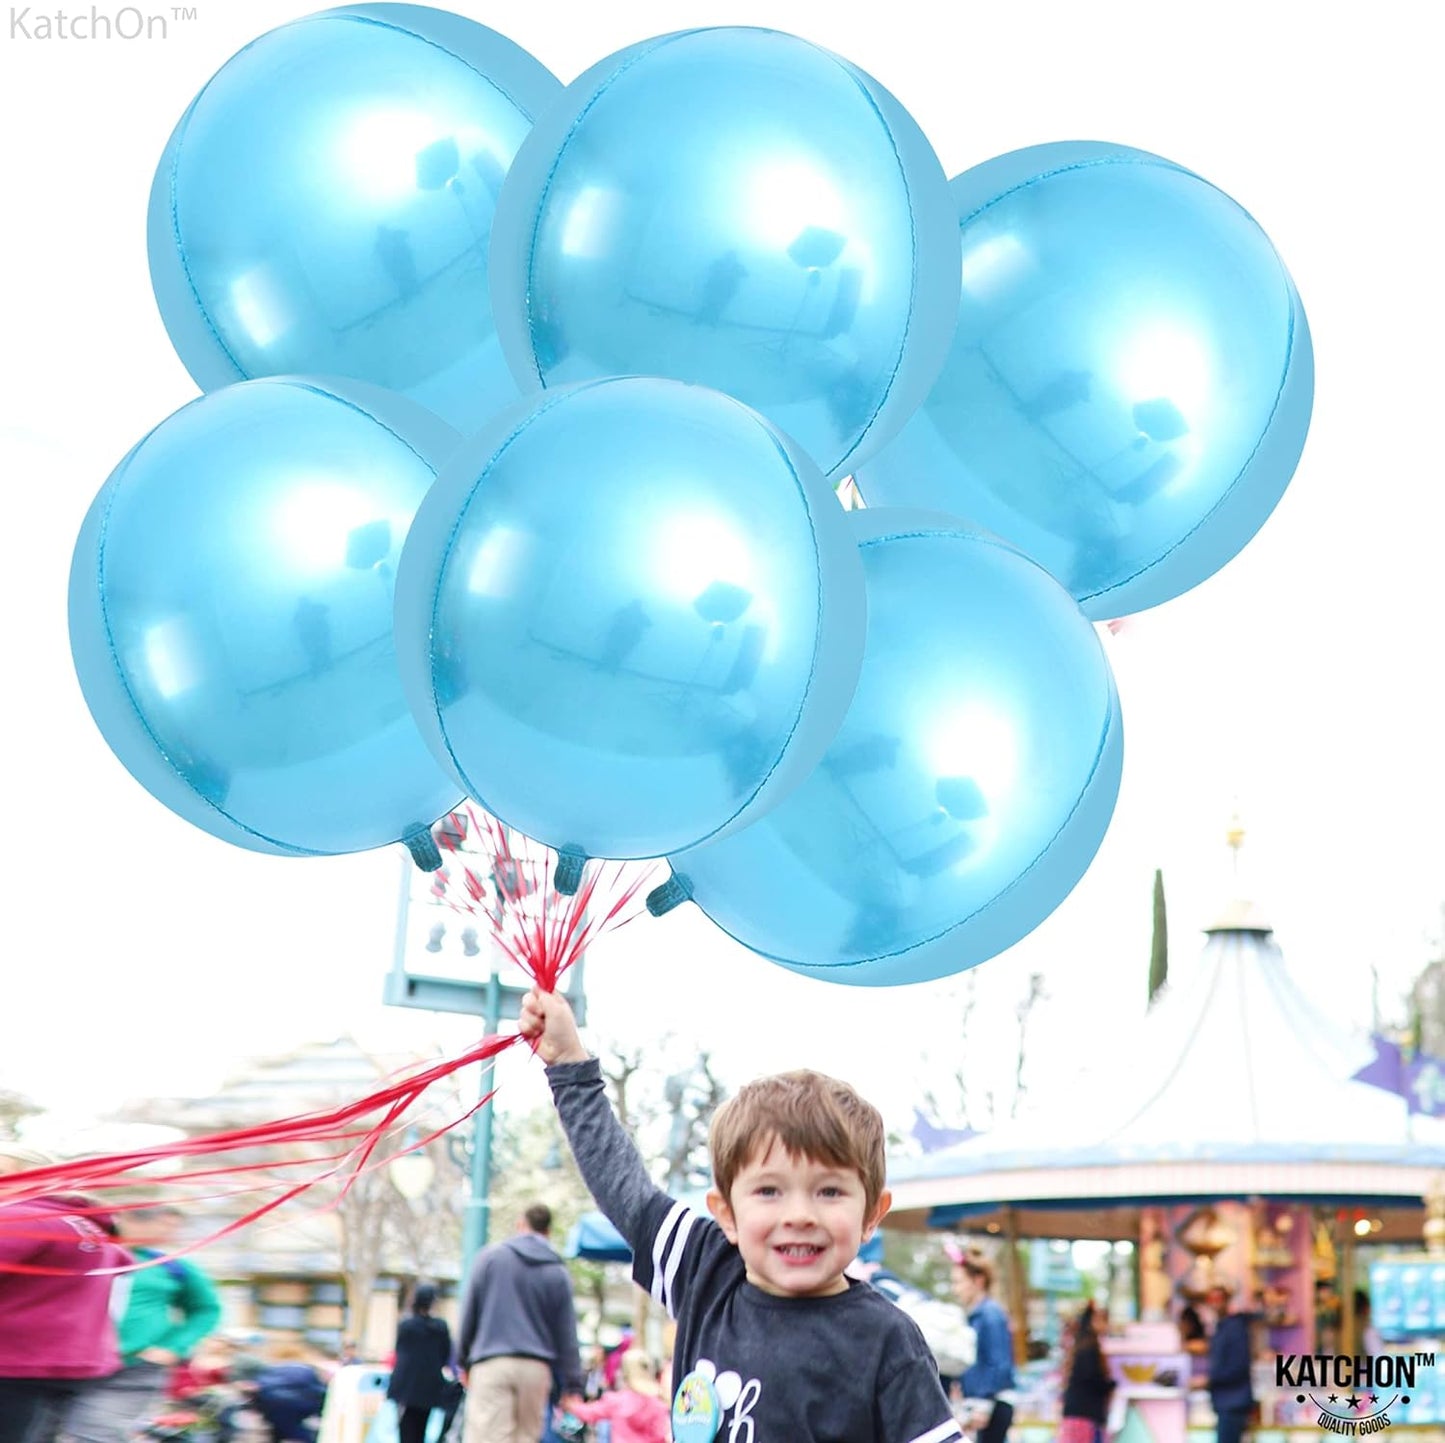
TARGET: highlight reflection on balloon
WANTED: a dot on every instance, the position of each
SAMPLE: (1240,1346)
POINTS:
(231,615)
(740,209)
(1130,383)
(629,616)
(325,206)
(967,790)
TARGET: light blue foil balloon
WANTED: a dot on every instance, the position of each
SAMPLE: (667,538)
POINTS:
(325,206)
(739,209)
(230,616)
(1131,379)
(629,616)
(967,789)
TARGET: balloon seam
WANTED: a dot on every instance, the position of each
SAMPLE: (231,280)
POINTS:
(120,672)
(350,405)
(1228,491)
(902,347)
(643,50)
(172,187)
(1068,169)
(382,24)
(983,538)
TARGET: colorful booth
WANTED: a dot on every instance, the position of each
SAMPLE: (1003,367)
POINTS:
(1226,1136)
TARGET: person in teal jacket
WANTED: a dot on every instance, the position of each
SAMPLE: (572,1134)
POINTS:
(162,1312)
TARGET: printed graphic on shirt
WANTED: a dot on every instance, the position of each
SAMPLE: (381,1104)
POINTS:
(706,1398)
(696,1414)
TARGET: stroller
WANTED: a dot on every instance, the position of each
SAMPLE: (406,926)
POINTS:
(212,1416)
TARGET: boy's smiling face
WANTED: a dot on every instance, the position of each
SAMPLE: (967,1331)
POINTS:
(797,1222)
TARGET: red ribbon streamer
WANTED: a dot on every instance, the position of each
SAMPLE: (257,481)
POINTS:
(544,937)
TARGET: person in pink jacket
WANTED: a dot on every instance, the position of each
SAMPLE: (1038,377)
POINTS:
(637,1411)
(56,1335)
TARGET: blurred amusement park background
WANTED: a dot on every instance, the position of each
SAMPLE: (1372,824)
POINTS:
(1235,1133)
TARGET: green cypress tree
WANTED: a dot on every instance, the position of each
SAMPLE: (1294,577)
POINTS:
(1159,953)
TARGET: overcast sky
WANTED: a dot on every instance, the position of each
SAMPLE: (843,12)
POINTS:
(1302,683)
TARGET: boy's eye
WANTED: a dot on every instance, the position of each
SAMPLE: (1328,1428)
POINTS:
(831,1190)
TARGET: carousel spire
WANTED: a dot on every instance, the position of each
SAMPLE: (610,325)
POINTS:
(1234,838)
(1240,914)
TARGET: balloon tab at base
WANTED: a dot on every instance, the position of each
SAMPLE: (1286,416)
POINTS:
(672,893)
(423,848)
(568,876)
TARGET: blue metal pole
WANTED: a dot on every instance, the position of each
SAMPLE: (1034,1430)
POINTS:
(476,1224)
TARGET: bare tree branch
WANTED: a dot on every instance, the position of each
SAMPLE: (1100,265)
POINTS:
(1022,1012)
(619,1066)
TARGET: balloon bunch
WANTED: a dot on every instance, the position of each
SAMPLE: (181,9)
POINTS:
(514,475)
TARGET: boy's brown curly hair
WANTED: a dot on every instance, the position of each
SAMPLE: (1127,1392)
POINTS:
(812,1116)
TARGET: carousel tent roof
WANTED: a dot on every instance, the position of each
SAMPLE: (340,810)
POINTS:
(1236,1083)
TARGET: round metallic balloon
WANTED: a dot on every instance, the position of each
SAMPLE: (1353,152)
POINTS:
(325,206)
(230,615)
(740,209)
(966,792)
(1130,383)
(629,616)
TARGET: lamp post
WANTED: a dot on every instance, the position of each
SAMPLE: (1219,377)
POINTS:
(489,998)
(477,1219)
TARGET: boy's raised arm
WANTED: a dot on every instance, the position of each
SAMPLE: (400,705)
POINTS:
(609,1163)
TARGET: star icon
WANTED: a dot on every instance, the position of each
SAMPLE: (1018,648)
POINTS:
(1352,1401)
(1334,1397)
(1374,1397)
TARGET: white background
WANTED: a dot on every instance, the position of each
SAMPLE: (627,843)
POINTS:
(1302,684)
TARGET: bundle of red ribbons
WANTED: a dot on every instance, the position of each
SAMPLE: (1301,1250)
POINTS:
(493,874)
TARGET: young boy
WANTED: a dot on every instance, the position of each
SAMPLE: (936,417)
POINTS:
(774,1344)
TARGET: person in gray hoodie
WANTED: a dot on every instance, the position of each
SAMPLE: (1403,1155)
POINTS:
(517,1342)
